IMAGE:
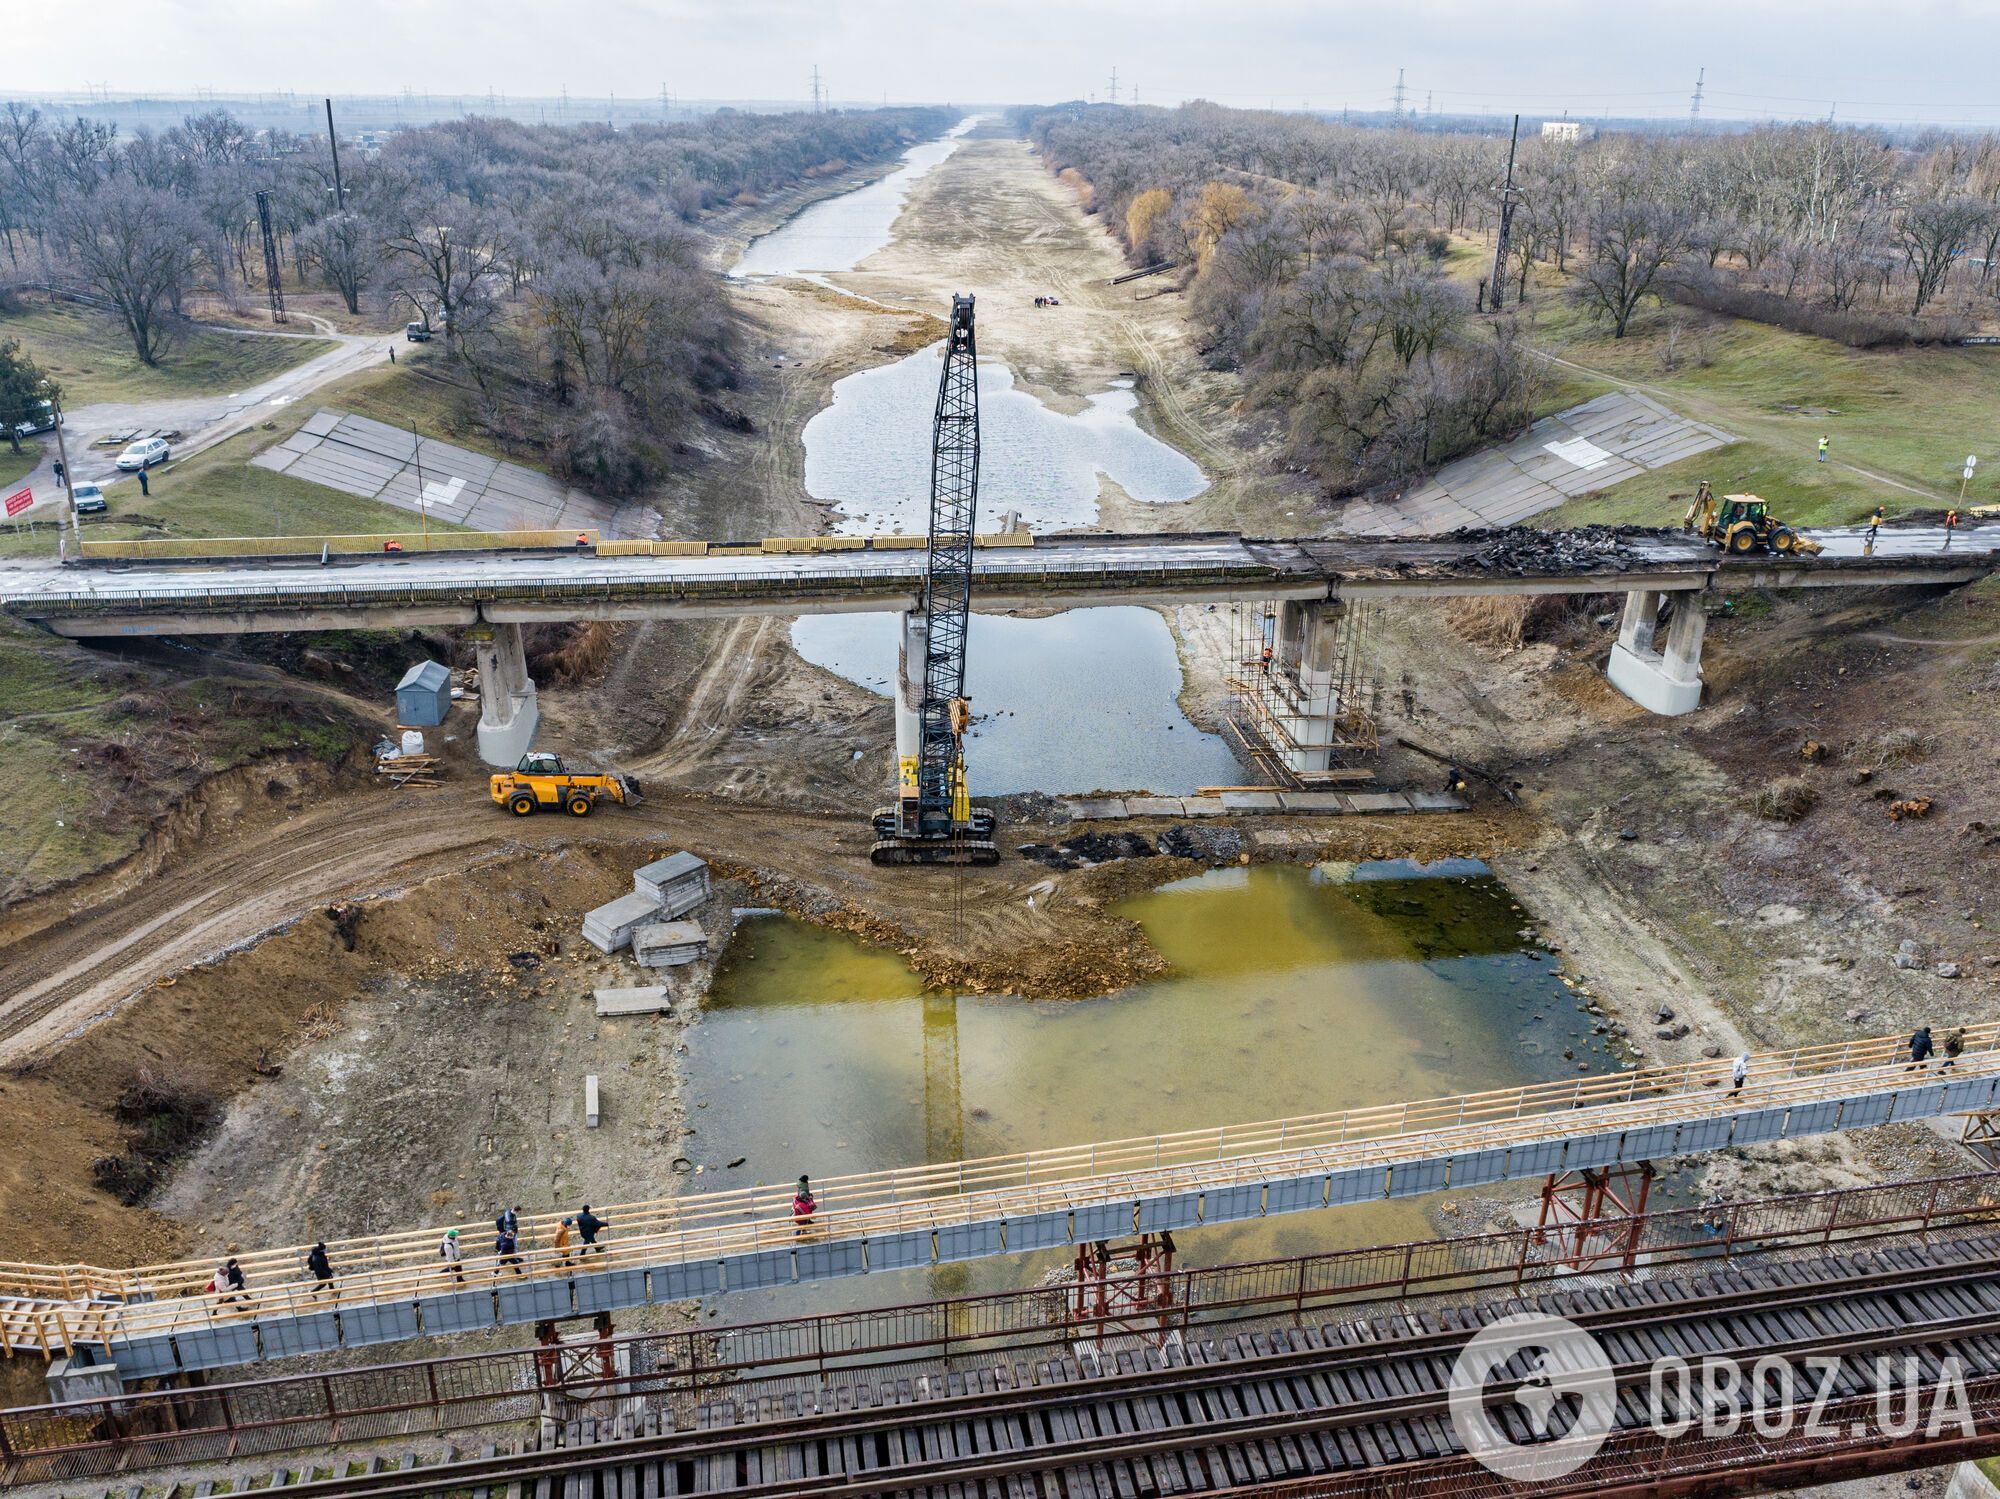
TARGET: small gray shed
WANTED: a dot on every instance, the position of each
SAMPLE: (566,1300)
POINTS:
(423,697)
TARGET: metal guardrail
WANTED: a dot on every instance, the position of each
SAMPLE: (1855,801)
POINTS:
(1074,1183)
(157,1428)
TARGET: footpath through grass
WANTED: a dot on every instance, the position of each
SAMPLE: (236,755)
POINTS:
(90,354)
(1901,420)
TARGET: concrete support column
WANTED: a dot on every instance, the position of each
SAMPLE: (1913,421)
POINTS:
(508,712)
(1306,701)
(1666,682)
(912,659)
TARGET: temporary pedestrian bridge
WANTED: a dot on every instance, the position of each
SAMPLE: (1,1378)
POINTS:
(389,1287)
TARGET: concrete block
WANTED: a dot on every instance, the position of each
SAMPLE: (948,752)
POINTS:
(678,883)
(1415,1178)
(1921,1102)
(1101,1220)
(1154,806)
(902,1251)
(1643,679)
(968,1241)
(69,1379)
(459,1311)
(1096,808)
(1758,1124)
(759,1270)
(1202,806)
(502,745)
(686,1281)
(1435,801)
(1177,1210)
(1252,801)
(384,1322)
(1376,802)
(311,1332)
(649,1000)
(609,1290)
(1321,803)
(1233,1204)
(1036,1231)
(611,925)
(669,944)
(591,1113)
(1865,1113)
(523,1300)
(1812,1118)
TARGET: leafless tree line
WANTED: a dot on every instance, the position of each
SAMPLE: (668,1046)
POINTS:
(563,268)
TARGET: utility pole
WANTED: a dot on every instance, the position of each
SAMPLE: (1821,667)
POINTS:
(69,484)
(666,103)
(1397,108)
(333,144)
(1114,83)
(1506,218)
(1694,107)
(271,283)
(816,94)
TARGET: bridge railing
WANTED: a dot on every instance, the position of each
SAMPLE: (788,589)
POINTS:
(157,1428)
(401,1266)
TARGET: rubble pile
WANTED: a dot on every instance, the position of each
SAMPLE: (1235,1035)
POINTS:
(1520,551)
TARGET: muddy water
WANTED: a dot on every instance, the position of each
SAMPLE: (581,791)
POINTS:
(1292,991)
(1032,681)
(869,453)
(839,233)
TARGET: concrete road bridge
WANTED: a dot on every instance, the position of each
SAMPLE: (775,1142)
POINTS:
(1312,578)
(156,1319)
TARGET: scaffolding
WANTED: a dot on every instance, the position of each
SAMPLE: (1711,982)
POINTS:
(1281,723)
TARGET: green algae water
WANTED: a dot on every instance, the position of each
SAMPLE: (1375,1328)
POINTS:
(1292,991)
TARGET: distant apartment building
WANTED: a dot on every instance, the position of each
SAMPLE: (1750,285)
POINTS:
(1562,130)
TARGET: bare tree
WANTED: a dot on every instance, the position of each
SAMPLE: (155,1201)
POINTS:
(346,251)
(1933,232)
(136,247)
(1633,242)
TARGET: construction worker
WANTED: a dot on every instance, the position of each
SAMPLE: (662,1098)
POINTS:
(803,1207)
(588,1227)
(1874,529)
(1454,781)
(583,541)
(449,1252)
(1267,660)
(1824,444)
(1950,524)
(392,545)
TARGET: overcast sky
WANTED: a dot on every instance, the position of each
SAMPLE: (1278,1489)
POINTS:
(1903,60)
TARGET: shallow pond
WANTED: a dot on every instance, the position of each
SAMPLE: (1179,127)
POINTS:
(1293,991)
(1032,681)
(869,452)
(837,234)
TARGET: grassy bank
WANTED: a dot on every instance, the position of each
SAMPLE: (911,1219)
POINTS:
(91,355)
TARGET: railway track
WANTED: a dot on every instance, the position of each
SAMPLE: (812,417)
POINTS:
(1228,1413)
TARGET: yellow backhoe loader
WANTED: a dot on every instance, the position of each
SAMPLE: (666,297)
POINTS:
(540,781)
(1742,523)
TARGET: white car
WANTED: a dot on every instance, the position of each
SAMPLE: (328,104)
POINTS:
(88,499)
(144,454)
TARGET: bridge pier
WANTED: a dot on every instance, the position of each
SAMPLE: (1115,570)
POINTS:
(913,654)
(1666,681)
(508,712)
(1302,685)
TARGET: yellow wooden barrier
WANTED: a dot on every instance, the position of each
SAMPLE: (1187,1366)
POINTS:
(339,546)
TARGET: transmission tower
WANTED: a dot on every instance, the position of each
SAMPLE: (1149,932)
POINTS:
(818,105)
(666,103)
(1507,197)
(1397,108)
(1114,84)
(270,258)
(1694,106)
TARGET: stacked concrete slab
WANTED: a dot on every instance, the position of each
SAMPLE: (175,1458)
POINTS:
(669,888)
(669,944)
(609,928)
(677,883)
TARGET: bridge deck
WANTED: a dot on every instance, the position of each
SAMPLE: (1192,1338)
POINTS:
(462,588)
(392,1287)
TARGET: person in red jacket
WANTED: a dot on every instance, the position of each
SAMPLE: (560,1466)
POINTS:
(803,1206)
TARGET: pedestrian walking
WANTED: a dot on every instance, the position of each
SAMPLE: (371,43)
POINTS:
(507,1250)
(230,1280)
(1824,444)
(588,1227)
(1921,1048)
(563,1238)
(145,484)
(392,353)
(803,1207)
(320,1266)
(1739,1074)
(62,479)
(507,1221)
(1953,1045)
(451,1254)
